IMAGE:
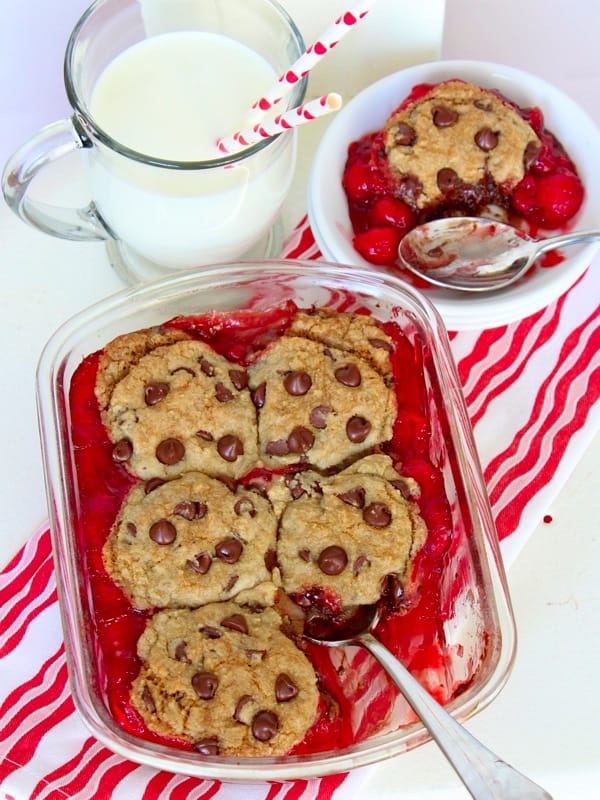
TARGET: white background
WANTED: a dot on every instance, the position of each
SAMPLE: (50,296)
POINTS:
(546,720)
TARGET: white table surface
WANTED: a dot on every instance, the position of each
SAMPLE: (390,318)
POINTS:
(546,720)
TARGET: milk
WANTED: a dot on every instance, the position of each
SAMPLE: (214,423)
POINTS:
(171,97)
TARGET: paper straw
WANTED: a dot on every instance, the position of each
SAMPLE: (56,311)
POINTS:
(302,66)
(283,122)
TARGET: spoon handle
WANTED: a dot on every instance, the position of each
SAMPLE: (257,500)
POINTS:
(484,773)
(576,237)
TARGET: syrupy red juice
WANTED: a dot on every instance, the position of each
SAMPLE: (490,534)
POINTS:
(349,679)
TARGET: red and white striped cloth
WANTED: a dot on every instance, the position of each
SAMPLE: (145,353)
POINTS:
(532,390)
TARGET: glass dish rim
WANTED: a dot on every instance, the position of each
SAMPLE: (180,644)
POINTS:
(49,384)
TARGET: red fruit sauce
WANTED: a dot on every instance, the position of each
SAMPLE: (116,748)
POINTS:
(414,632)
(547,198)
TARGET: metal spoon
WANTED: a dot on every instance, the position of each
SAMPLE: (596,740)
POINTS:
(472,254)
(483,773)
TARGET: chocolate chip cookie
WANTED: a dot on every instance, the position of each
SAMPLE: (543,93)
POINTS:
(319,404)
(354,333)
(182,407)
(455,137)
(226,679)
(343,535)
(190,541)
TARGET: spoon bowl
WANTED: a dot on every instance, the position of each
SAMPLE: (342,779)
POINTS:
(485,775)
(473,254)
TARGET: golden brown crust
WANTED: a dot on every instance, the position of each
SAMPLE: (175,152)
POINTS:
(456,129)
(258,695)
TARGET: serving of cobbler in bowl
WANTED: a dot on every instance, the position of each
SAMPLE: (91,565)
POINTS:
(459,138)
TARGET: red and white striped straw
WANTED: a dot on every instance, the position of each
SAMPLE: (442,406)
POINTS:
(302,66)
(283,122)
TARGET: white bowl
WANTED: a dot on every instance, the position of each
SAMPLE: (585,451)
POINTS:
(369,110)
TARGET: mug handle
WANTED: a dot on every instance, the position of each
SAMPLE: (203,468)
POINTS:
(49,144)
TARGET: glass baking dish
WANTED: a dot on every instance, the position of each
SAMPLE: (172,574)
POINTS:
(477,631)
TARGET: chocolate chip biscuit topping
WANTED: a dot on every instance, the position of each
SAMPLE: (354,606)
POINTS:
(457,134)
(225,678)
(256,482)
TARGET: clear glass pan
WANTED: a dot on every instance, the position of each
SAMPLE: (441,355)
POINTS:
(479,628)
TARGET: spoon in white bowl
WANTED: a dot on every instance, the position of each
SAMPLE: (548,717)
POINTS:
(472,254)
(485,775)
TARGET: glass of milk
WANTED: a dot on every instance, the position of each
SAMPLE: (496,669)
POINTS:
(153,85)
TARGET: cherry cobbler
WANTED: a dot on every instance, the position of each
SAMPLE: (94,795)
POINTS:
(454,149)
(241,475)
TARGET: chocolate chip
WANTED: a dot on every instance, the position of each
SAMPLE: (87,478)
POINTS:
(256,655)
(332,560)
(304,554)
(155,392)
(447,179)
(222,393)
(205,684)
(239,378)
(170,451)
(148,700)
(265,725)
(131,529)
(410,188)
(378,515)
(295,487)
(404,135)
(229,550)
(486,139)
(402,487)
(122,451)
(318,416)
(260,483)
(382,344)
(210,631)
(244,506)
(207,747)
(348,375)
(530,155)
(183,369)
(328,354)
(236,622)
(201,562)
(152,484)
(190,509)
(230,583)
(181,653)
(394,590)
(285,688)
(483,105)
(353,497)
(239,706)
(357,429)
(444,117)
(205,435)
(360,563)
(279,447)
(259,394)
(270,559)
(230,447)
(163,532)
(297,383)
(206,367)
(300,440)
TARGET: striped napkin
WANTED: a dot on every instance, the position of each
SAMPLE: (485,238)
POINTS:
(532,391)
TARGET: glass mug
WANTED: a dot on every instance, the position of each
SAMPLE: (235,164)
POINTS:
(155,213)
